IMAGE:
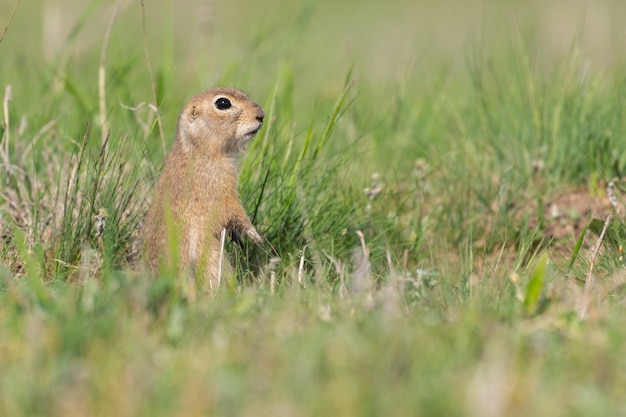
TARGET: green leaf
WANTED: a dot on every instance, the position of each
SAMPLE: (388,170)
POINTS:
(535,285)
(579,243)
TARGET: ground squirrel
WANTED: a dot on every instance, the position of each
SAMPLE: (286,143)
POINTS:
(196,197)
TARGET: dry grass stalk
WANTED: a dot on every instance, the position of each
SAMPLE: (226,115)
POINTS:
(145,125)
(104,128)
(152,80)
(309,236)
(270,269)
(391,294)
(586,298)
(392,270)
(29,147)
(6,28)
(219,267)
(361,282)
(301,268)
(5,137)
(589,281)
(343,289)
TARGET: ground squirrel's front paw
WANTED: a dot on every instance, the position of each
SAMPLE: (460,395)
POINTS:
(253,235)
(236,237)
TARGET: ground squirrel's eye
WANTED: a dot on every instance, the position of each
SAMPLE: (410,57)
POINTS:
(222,103)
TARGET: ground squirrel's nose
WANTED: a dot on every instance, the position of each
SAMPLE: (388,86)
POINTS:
(260,115)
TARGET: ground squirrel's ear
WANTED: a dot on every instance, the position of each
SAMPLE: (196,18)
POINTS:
(194,111)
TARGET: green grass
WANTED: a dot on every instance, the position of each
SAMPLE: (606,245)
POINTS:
(430,185)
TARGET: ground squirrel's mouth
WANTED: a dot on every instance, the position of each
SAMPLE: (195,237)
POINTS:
(253,132)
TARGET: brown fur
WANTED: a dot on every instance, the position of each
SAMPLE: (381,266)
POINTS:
(196,196)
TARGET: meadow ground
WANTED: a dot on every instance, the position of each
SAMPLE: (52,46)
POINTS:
(432,183)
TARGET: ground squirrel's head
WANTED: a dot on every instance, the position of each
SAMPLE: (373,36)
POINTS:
(220,120)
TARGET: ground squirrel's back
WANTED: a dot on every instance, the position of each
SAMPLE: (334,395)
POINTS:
(196,196)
